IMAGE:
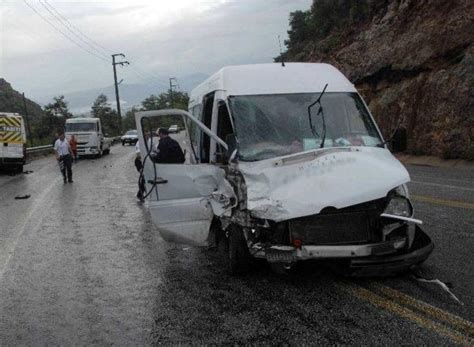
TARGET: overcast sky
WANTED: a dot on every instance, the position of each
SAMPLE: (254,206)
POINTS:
(160,38)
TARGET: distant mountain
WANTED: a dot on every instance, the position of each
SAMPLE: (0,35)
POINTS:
(12,101)
(80,102)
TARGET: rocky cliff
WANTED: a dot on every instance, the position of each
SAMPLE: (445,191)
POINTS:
(413,60)
(12,101)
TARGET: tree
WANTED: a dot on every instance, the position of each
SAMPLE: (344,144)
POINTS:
(128,122)
(58,108)
(299,27)
(177,99)
(108,117)
(53,119)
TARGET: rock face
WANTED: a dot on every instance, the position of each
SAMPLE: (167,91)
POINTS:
(413,61)
(12,101)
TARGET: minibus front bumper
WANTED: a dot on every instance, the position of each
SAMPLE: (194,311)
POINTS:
(381,258)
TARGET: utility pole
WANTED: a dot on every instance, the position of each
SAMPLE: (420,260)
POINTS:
(29,138)
(172,85)
(114,64)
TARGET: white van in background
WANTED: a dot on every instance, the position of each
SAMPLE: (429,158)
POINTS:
(89,136)
(287,165)
(12,141)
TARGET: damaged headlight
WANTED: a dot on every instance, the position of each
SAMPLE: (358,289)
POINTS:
(399,205)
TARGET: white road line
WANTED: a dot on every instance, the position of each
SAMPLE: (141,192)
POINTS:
(465,181)
(442,185)
(32,222)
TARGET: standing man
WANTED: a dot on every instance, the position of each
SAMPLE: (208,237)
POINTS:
(64,157)
(168,151)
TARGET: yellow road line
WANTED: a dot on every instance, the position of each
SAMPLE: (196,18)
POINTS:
(454,321)
(450,203)
(403,312)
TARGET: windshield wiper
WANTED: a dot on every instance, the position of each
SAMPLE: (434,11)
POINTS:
(320,111)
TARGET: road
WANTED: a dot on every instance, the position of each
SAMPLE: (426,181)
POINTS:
(81,264)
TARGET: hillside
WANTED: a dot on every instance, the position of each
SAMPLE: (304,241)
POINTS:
(12,101)
(411,59)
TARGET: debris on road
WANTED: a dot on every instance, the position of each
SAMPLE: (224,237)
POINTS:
(444,286)
(22,197)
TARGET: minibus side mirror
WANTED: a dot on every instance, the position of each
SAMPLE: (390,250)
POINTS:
(399,140)
(231,142)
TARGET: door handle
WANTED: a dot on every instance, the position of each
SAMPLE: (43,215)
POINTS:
(158,180)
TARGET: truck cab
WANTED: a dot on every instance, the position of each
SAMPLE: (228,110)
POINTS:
(89,135)
(12,141)
(287,164)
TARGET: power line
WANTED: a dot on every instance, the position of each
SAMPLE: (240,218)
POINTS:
(147,77)
(72,27)
(64,34)
(91,46)
(63,19)
(72,31)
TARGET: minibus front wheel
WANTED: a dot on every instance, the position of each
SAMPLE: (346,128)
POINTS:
(239,255)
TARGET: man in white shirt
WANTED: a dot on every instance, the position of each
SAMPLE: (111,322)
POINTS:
(64,157)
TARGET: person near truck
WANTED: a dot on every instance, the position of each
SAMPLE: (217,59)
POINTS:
(168,150)
(73,144)
(64,157)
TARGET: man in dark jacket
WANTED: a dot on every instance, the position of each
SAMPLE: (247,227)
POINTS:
(168,151)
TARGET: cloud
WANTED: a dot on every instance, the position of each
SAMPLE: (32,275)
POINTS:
(165,38)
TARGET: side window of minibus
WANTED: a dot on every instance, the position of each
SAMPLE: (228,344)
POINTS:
(193,130)
(206,119)
(224,128)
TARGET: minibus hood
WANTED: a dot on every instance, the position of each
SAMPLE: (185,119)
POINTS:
(300,185)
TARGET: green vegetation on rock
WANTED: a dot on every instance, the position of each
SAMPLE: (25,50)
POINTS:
(412,60)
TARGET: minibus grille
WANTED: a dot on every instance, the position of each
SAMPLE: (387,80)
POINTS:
(353,225)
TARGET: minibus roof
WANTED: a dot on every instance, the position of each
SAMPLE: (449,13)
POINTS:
(259,79)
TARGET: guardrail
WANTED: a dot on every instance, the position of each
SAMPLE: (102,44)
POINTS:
(39,149)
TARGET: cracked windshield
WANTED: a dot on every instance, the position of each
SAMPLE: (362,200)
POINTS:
(269,126)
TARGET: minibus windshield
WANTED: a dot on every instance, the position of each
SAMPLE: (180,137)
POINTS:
(269,126)
(70,127)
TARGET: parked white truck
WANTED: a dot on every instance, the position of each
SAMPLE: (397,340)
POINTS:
(287,164)
(90,137)
(12,141)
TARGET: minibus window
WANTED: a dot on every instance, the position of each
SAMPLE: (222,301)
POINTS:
(193,130)
(269,126)
(224,128)
(206,119)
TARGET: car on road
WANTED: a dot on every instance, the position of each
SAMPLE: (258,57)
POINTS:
(287,164)
(130,137)
(173,129)
(89,134)
(12,141)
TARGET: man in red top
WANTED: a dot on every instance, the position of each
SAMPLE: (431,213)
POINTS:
(73,144)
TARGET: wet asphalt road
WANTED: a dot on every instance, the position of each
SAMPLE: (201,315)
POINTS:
(81,264)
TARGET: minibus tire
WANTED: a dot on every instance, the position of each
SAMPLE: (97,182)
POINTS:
(239,255)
